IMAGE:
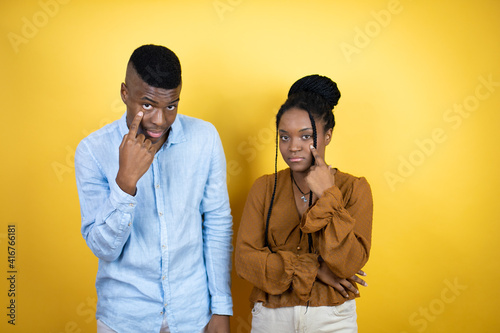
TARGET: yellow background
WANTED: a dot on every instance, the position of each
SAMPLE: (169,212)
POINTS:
(402,67)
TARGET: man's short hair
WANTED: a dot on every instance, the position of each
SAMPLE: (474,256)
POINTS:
(157,66)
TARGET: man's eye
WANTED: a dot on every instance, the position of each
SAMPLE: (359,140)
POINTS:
(171,107)
(147,107)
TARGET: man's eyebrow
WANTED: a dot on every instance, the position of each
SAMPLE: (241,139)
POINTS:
(155,102)
(149,100)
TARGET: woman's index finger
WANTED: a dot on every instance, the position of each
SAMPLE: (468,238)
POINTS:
(318,160)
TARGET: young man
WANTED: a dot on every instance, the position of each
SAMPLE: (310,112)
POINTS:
(155,209)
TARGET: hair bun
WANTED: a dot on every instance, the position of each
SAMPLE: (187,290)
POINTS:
(317,84)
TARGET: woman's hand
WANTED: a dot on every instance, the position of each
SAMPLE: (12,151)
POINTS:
(320,177)
(326,276)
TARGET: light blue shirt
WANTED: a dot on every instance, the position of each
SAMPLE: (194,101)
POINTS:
(166,250)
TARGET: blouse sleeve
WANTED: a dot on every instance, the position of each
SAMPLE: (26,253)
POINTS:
(344,229)
(272,272)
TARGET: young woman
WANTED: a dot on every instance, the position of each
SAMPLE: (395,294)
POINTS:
(306,230)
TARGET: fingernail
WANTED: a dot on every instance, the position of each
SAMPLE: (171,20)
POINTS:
(140,113)
(311,146)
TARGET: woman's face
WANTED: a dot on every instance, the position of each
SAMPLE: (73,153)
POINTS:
(296,136)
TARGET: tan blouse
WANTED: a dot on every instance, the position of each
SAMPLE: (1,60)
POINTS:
(341,226)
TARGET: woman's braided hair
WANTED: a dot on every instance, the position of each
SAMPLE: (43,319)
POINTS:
(317,95)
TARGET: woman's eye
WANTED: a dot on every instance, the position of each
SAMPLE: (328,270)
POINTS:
(284,138)
(306,137)
(147,107)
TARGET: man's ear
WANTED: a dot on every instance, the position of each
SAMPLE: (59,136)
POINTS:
(124,92)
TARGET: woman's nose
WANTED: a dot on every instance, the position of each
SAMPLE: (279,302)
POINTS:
(295,145)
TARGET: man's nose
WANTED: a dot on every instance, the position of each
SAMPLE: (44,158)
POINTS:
(158,118)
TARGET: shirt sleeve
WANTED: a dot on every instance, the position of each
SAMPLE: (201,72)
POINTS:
(343,230)
(107,212)
(218,232)
(274,273)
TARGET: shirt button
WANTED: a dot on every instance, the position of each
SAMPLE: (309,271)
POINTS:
(161,312)
(131,205)
(163,277)
(163,246)
(157,185)
(130,224)
(160,213)
(298,247)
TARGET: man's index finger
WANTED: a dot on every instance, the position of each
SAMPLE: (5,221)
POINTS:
(134,126)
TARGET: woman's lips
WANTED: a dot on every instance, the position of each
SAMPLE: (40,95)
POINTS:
(296,159)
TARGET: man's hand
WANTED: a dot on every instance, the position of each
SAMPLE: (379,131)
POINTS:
(326,276)
(136,155)
(320,177)
(218,324)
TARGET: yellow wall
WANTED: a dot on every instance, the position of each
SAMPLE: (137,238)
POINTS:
(419,117)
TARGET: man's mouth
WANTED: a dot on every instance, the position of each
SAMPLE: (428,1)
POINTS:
(154,134)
